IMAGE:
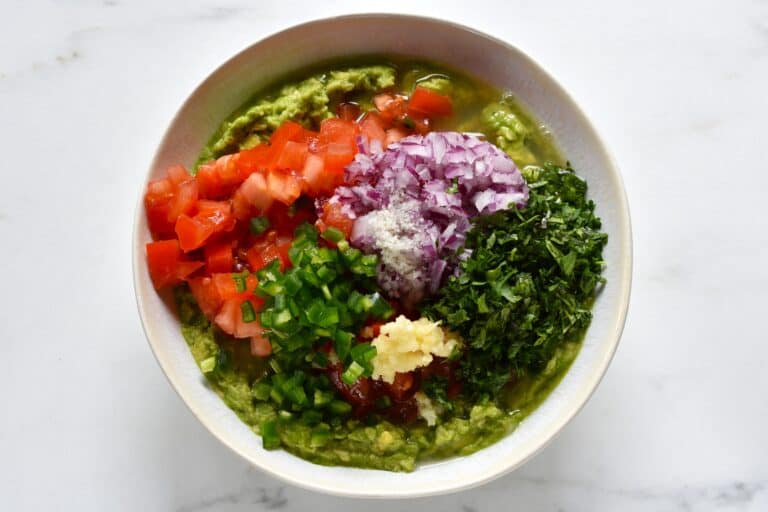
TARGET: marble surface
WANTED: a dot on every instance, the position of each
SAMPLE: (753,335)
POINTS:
(87,420)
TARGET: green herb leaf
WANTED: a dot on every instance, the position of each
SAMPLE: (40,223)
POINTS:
(528,284)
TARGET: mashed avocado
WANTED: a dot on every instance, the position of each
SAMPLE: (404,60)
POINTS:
(353,443)
(227,364)
(307,102)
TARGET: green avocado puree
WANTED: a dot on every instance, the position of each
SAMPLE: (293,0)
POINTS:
(308,99)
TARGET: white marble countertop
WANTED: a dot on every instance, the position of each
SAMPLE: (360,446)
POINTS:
(87,420)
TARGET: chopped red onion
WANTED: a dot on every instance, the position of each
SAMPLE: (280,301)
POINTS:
(450,177)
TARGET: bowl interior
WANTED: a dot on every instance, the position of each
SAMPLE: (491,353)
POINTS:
(489,59)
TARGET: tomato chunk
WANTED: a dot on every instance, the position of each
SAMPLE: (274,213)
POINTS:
(167,198)
(270,248)
(333,216)
(212,217)
(230,319)
(260,345)
(373,127)
(340,132)
(390,107)
(218,257)
(430,102)
(167,264)
(292,157)
(255,192)
(284,187)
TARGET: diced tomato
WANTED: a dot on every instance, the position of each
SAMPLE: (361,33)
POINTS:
(390,107)
(420,122)
(255,159)
(157,205)
(373,127)
(395,134)
(402,387)
(177,174)
(192,232)
(218,213)
(333,216)
(289,131)
(284,187)
(167,265)
(270,248)
(284,219)
(292,156)
(348,111)
(376,328)
(212,217)
(230,319)
(260,345)
(227,287)
(183,201)
(209,182)
(218,178)
(361,394)
(337,156)
(241,207)
(206,295)
(168,198)
(218,257)
(212,292)
(339,131)
(315,182)
(256,193)
(227,169)
(429,102)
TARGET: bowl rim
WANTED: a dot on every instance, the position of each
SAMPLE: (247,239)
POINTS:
(598,372)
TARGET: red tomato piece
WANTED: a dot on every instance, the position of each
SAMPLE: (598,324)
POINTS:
(157,205)
(256,193)
(348,111)
(193,232)
(390,107)
(430,103)
(218,257)
(292,156)
(270,248)
(159,190)
(230,319)
(313,173)
(168,198)
(260,345)
(167,265)
(183,201)
(218,213)
(339,131)
(241,208)
(402,387)
(337,156)
(333,216)
(253,160)
(211,186)
(206,295)
(177,174)
(284,219)
(373,127)
(289,131)
(284,187)
(218,178)
(395,134)
(228,316)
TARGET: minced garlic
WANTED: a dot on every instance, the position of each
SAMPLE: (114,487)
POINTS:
(404,345)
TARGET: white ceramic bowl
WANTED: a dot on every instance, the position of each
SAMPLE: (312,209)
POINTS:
(490,59)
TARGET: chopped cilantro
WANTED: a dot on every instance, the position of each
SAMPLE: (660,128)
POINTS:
(528,284)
